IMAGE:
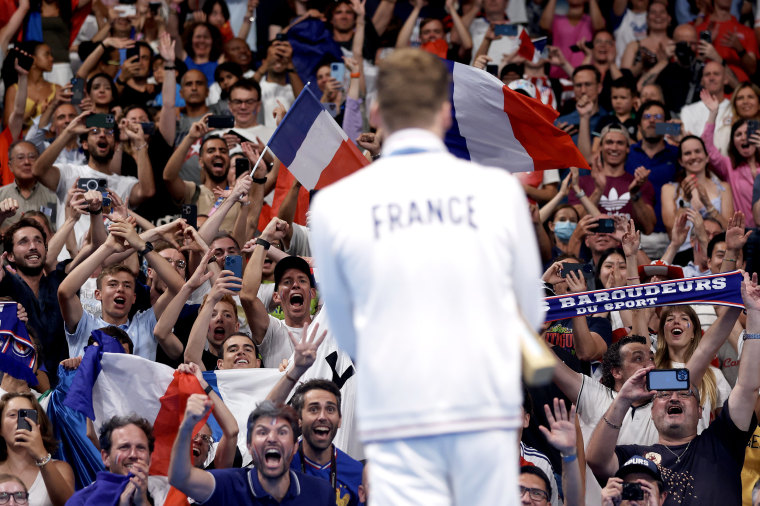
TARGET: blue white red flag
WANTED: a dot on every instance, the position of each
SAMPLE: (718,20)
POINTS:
(312,146)
(496,126)
(18,355)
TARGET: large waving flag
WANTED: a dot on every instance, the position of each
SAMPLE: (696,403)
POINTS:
(496,126)
(312,146)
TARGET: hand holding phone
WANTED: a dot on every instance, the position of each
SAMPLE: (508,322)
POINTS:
(668,379)
(190,215)
(234,263)
(672,129)
(337,71)
(220,121)
(605,226)
(22,415)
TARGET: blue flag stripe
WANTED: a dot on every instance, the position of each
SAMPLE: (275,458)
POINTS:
(294,127)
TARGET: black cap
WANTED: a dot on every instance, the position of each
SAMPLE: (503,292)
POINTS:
(291,262)
(637,464)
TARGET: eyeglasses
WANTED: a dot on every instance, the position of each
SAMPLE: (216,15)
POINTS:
(237,102)
(205,438)
(97,131)
(29,156)
(653,116)
(604,42)
(20,497)
(535,493)
(666,394)
(179,264)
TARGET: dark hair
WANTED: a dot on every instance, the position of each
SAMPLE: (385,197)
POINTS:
(612,359)
(22,223)
(118,334)
(517,68)
(538,472)
(211,137)
(246,84)
(562,207)
(426,21)
(680,174)
(9,74)
(208,7)
(733,153)
(719,237)
(602,258)
(137,106)
(235,334)
(46,427)
(216,40)
(223,235)
(270,409)
(315,384)
(228,66)
(590,67)
(331,8)
(112,270)
(527,401)
(114,90)
(44,217)
(648,105)
(622,82)
(117,422)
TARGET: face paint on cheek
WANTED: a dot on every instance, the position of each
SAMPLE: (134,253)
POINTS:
(118,457)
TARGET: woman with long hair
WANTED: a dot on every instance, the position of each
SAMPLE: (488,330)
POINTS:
(39,90)
(739,168)
(26,446)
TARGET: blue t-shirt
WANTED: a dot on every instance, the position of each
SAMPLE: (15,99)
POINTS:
(348,476)
(241,487)
(663,169)
(207,68)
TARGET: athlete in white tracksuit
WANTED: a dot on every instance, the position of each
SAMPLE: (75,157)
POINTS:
(426,262)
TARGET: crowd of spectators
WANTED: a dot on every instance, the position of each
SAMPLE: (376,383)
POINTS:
(134,173)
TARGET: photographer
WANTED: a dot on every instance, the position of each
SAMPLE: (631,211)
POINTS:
(638,482)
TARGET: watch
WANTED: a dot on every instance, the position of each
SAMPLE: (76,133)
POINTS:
(259,180)
(264,243)
(147,249)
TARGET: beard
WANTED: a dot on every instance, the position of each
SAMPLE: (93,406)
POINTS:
(30,271)
(217,179)
(103,159)
(653,139)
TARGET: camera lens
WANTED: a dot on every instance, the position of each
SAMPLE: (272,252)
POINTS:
(92,185)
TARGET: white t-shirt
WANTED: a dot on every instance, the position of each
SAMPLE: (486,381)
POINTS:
(270,94)
(694,118)
(632,27)
(276,344)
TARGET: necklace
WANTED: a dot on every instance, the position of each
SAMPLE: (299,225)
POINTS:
(678,457)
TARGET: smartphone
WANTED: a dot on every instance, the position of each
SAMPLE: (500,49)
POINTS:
(605,226)
(77,90)
(190,214)
(706,36)
(575,48)
(508,30)
(281,36)
(242,166)
(337,71)
(753,126)
(92,183)
(579,269)
(668,379)
(126,11)
(221,122)
(632,492)
(26,413)
(24,60)
(133,51)
(100,121)
(148,127)
(492,69)
(673,129)
(234,263)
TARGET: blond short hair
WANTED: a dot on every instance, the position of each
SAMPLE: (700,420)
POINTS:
(412,86)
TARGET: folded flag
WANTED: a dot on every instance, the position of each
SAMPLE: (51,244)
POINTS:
(496,126)
(18,355)
(312,146)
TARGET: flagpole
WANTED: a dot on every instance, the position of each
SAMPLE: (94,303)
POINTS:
(263,152)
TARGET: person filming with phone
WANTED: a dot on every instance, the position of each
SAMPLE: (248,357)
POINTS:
(705,467)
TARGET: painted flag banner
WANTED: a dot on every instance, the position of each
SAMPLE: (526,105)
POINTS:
(721,289)
(312,146)
(496,126)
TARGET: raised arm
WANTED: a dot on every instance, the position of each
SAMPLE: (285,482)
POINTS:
(405,34)
(16,118)
(462,31)
(211,226)
(742,400)
(383,15)
(89,64)
(12,26)
(564,438)
(547,16)
(175,184)
(193,482)
(146,185)
(304,355)
(167,124)
(43,169)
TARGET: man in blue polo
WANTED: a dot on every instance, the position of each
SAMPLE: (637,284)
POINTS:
(271,441)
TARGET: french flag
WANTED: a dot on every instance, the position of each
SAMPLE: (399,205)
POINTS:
(496,126)
(312,146)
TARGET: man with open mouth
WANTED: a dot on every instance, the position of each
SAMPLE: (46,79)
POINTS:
(271,441)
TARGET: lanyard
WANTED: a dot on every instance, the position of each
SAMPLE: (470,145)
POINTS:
(408,151)
(333,465)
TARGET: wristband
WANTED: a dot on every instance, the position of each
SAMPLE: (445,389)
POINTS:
(729,260)
(208,389)
(750,336)
(93,213)
(580,194)
(259,180)
(264,243)
(568,458)
(356,75)
(290,70)
(44,460)
(616,427)
(120,82)
(169,67)
(147,249)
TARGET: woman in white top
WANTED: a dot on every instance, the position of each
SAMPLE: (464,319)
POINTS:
(26,453)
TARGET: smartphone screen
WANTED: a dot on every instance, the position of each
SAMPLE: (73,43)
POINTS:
(242,166)
(190,214)
(221,122)
(24,61)
(492,69)
(668,379)
(667,129)
(508,30)
(605,226)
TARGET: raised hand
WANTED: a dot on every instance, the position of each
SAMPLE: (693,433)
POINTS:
(750,292)
(631,240)
(305,351)
(561,433)
(710,102)
(736,238)
(201,275)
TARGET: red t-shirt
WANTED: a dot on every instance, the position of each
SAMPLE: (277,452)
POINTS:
(747,36)
(6,177)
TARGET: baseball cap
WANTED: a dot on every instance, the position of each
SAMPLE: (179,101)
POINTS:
(291,262)
(614,127)
(639,464)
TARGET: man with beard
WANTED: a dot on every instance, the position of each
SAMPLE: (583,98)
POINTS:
(660,158)
(99,145)
(271,441)
(612,189)
(214,160)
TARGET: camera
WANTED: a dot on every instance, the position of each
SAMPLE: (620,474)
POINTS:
(682,375)
(91,183)
(684,54)
(632,492)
